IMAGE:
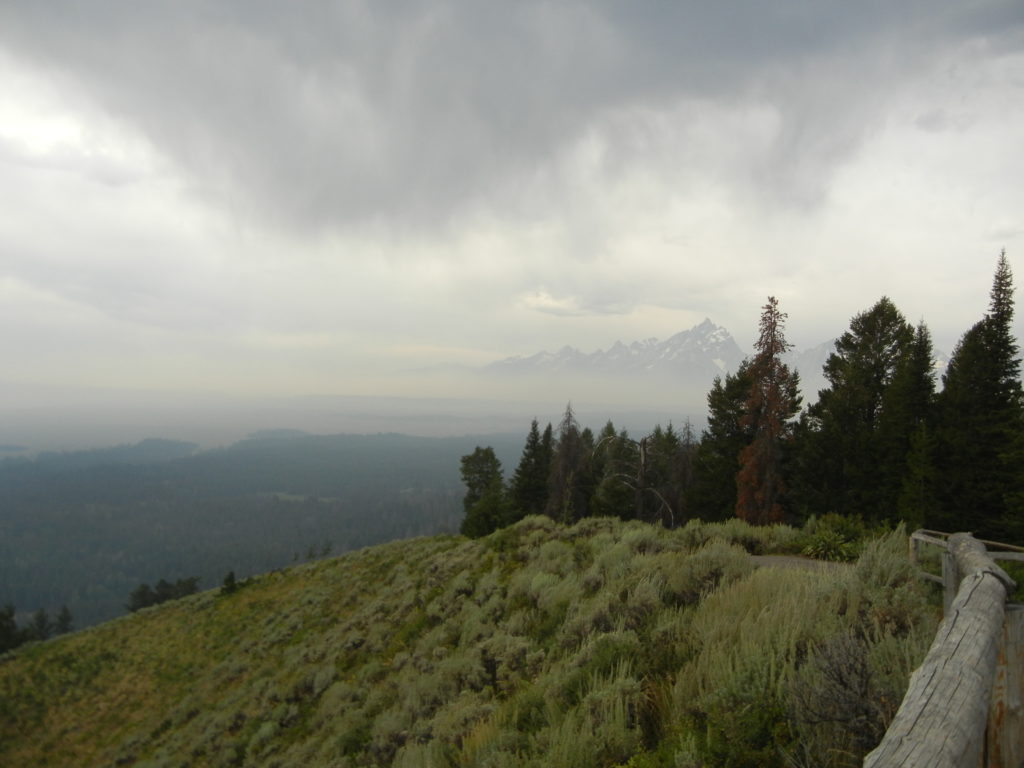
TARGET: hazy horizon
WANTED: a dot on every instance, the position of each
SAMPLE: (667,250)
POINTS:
(254,202)
(212,421)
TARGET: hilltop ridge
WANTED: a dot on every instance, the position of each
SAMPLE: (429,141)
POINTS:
(539,645)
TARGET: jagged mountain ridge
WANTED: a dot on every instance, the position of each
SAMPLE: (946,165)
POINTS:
(706,349)
(688,361)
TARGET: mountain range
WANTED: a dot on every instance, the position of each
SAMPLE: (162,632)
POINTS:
(691,358)
(707,349)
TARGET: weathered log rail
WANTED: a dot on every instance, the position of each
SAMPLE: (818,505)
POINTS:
(951,576)
(964,703)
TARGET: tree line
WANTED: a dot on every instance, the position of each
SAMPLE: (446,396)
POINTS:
(144,596)
(39,627)
(882,442)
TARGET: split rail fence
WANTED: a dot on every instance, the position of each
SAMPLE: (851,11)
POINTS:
(964,704)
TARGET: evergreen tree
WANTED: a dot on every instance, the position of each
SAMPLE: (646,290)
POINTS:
(230,584)
(603,453)
(492,511)
(663,476)
(645,479)
(904,438)
(163,591)
(685,473)
(768,411)
(981,423)
(480,470)
(64,622)
(185,587)
(10,635)
(1002,343)
(716,459)
(141,597)
(485,503)
(569,481)
(855,439)
(588,477)
(40,627)
(529,487)
(918,496)
(615,468)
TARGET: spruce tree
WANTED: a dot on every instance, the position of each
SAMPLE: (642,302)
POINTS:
(569,481)
(65,623)
(10,635)
(141,597)
(905,446)
(856,437)
(615,469)
(479,469)
(768,411)
(663,476)
(716,458)
(485,502)
(1002,343)
(918,497)
(684,474)
(981,423)
(529,486)
(40,627)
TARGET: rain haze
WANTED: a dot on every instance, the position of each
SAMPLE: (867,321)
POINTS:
(297,214)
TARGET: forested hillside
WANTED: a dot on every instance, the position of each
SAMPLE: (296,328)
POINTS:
(601,644)
(879,445)
(84,529)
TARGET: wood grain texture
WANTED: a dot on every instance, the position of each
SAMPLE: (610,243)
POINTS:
(1005,735)
(942,720)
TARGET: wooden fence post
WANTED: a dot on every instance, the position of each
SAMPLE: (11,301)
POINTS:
(942,720)
(1005,730)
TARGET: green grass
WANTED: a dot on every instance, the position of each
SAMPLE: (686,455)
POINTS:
(602,644)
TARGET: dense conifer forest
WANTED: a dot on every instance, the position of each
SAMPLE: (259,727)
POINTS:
(880,444)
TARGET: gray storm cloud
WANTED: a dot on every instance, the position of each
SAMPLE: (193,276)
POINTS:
(326,115)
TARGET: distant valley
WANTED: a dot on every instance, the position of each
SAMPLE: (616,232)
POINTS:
(84,528)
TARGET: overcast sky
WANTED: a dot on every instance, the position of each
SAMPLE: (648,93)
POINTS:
(306,197)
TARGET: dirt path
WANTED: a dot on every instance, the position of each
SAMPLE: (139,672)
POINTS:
(794,561)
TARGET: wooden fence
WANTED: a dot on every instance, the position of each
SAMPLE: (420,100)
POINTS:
(964,703)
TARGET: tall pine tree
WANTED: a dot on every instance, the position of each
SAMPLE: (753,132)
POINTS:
(615,461)
(716,458)
(855,441)
(569,482)
(485,502)
(772,403)
(981,423)
(529,486)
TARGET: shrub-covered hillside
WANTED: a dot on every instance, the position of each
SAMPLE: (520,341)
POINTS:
(602,644)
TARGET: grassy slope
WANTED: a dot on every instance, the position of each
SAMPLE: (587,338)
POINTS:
(540,645)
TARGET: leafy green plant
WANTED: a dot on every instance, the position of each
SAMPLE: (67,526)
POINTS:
(829,545)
